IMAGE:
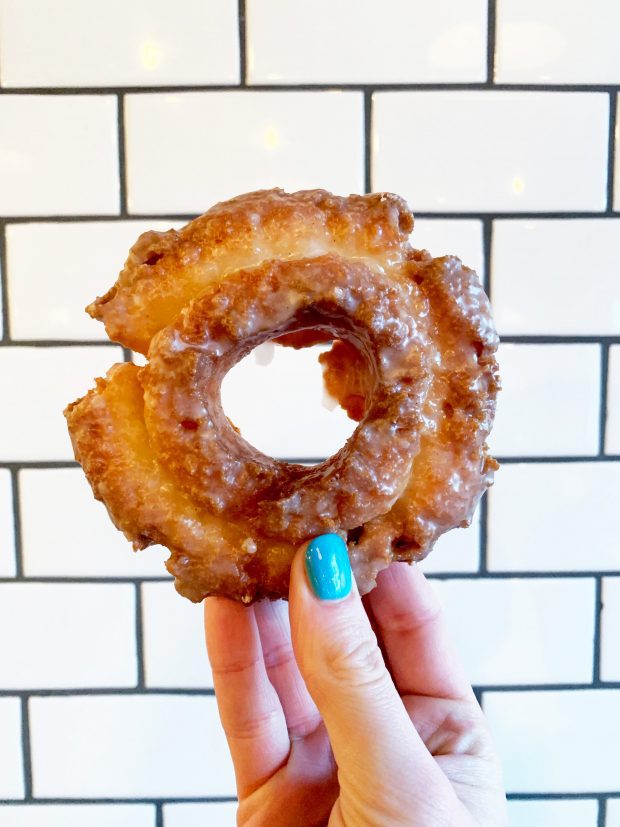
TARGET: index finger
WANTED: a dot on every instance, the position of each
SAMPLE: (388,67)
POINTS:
(422,657)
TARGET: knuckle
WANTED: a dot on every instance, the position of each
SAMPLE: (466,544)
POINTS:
(355,661)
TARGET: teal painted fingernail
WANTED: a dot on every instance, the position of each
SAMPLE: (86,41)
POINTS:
(328,567)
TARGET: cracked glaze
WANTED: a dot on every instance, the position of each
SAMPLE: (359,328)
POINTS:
(413,361)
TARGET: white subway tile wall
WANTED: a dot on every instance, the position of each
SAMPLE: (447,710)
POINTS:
(498,121)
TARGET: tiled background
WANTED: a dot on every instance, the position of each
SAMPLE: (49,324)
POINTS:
(497,121)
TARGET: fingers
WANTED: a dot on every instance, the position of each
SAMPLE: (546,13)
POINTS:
(249,708)
(371,734)
(408,616)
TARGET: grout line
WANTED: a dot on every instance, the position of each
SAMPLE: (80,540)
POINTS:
(565,88)
(243,63)
(61,343)
(484,533)
(465,215)
(139,638)
(159,814)
(487,250)
(214,799)
(602,812)
(127,354)
(109,691)
(491,40)
(367,141)
(4,286)
(16,466)
(17,523)
(603,397)
(613,124)
(122,159)
(26,755)
(598,610)
(562,796)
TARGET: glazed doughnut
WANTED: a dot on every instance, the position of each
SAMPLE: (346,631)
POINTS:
(412,361)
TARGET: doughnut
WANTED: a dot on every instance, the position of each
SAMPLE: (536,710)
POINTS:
(412,361)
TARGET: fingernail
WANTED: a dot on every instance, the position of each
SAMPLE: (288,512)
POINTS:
(328,567)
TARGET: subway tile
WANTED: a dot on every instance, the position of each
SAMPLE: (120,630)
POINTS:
(143,43)
(174,641)
(67,635)
(220,814)
(77,815)
(613,812)
(554,517)
(133,746)
(7,543)
(610,630)
(11,760)
(70,533)
(54,270)
(541,284)
(226,143)
(511,151)
(541,630)
(36,384)
(460,237)
(290,415)
(58,155)
(612,435)
(323,42)
(549,41)
(549,403)
(553,813)
(556,741)
(456,551)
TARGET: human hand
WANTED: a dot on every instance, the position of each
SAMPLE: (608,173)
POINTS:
(328,725)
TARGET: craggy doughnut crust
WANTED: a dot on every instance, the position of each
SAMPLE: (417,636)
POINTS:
(413,361)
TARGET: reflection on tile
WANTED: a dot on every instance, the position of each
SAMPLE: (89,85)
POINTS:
(227,143)
(145,42)
(58,155)
(348,42)
(549,404)
(554,516)
(529,151)
(550,41)
(55,270)
(540,285)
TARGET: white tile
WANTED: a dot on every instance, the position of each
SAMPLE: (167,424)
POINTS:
(145,42)
(549,403)
(70,533)
(539,284)
(288,416)
(612,435)
(458,550)
(55,270)
(226,143)
(560,516)
(549,41)
(78,815)
(613,812)
(174,640)
(67,635)
(7,542)
(58,155)
(154,746)
(11,761)
(410,41)
(462,238)
(553,813)
(557,741)
(509,151)
(222,814)
(524,643)
(36,384)
(610,630)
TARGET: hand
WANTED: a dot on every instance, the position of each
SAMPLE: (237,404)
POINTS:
(327,725)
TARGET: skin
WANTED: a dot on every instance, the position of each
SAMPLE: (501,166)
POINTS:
(351,713)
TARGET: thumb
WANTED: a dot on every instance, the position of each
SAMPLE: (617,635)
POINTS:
(373,739)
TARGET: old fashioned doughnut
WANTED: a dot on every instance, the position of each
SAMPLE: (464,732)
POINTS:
(412,361)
